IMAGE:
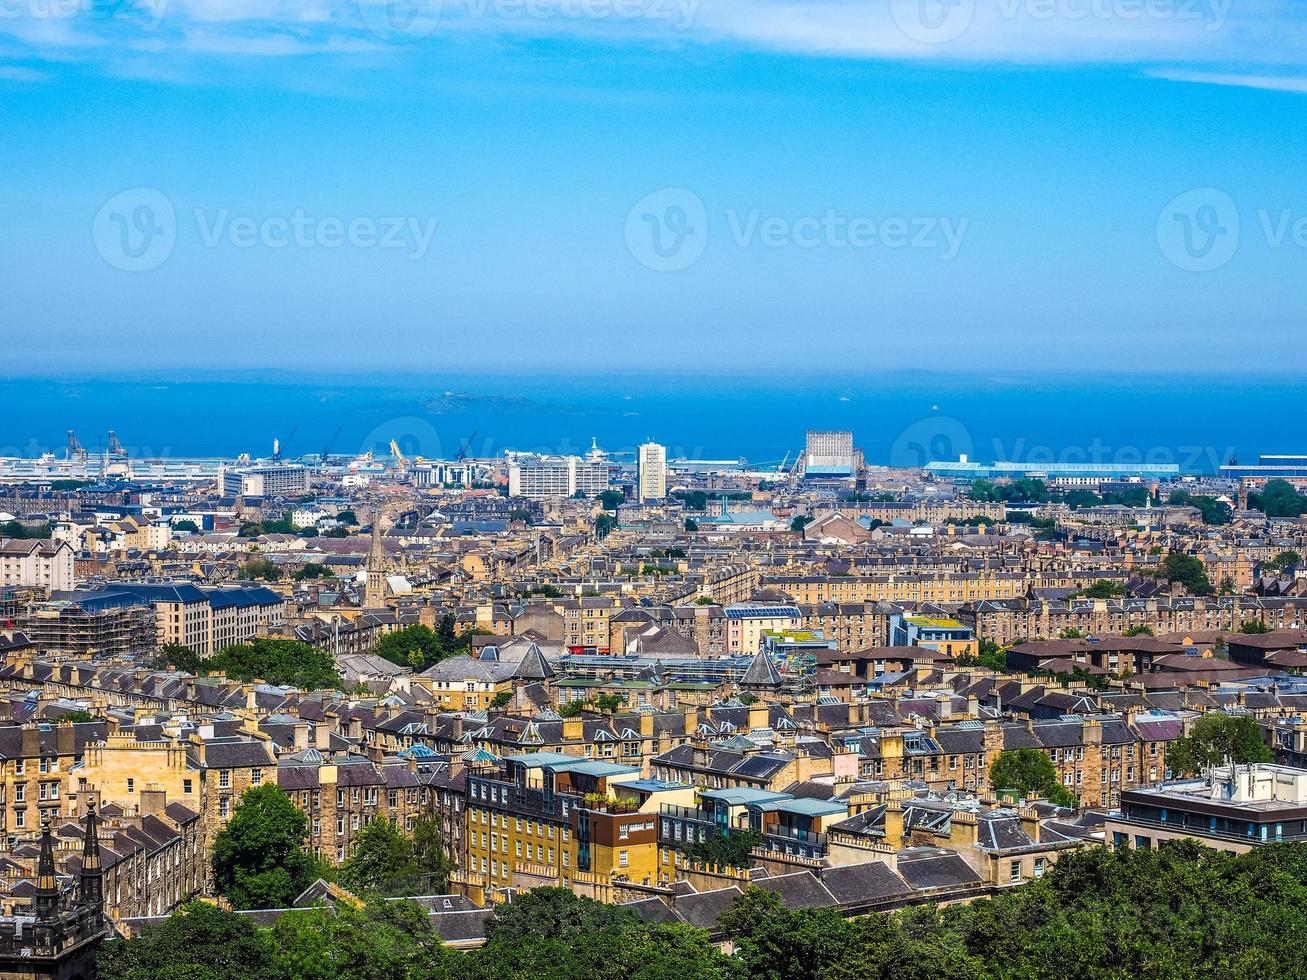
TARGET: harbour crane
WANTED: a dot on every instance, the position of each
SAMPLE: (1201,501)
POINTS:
(115,449)
(326,450)
(75,450)
(400,462)
(461,455)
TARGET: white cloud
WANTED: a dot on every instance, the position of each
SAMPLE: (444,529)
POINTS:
(1257,43)
(21,73)
(1270,83)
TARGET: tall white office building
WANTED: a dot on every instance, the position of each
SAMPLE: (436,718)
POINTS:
(829,454)
(652,475)
(542,477)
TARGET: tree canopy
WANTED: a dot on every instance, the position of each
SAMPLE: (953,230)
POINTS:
(1029,771)
(1284,560)
(1216,739)
(1181,911)
(259,860)
(1103,589)
(1189,571)
(277,662)
(1278,499)
(420,646)
(386,861)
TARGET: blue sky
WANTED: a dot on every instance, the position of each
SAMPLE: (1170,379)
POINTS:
(638,184)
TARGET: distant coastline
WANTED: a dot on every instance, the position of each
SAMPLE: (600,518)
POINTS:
(898,418)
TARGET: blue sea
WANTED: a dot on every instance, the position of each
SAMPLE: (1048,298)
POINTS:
(904,418)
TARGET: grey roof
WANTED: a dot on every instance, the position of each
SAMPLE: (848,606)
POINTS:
(534,667)
(762,672)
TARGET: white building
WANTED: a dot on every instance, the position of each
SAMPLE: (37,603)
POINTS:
(652,481)
(269,480)
(442,473)
(542,477)
(34,563)
(829,454)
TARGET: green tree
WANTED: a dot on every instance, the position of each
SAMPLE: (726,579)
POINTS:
(312,570)
(1071,633)
(610,703)
(382,861)
(1213,511)
(604,525)
(691,525)
(1215,739)
(1189,571)
(1075,499)
(348,517)
(1103,589)
(432,854)
(611,499)
(188,526)
(15,529)
(261,569)
(197,942)
(381,941)
(693,499)
(1278,499)
(733,850)
(775,943)
(1143,629)
(288,662)
(1254,627)
(174,655)
(799,523)
(991,657)
(1029,771)
(74,717)
(259,860)
(1284,561)
(415,646)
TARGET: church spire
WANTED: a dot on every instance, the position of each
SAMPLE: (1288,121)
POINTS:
(91,888)
(374,592)
(47,885)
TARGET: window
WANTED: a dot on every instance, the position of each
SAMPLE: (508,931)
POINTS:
(224,779)
(131,785)
(1039,867)
(186,786)
(256,776)
(624,859)
(1014,873)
